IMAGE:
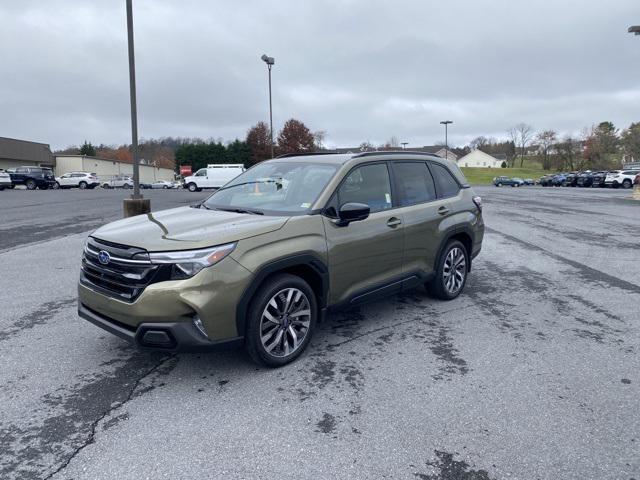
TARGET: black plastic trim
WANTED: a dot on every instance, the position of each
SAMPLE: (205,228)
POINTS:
(184,336)
(452,232)
(304,259)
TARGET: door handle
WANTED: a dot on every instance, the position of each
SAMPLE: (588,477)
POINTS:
(393,222)
(443,210)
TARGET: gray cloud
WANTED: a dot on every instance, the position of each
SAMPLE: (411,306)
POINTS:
(359,69)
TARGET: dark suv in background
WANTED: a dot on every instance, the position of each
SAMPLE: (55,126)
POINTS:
(33,177)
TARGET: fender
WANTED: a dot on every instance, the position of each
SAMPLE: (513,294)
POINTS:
(450,233)
(309,260)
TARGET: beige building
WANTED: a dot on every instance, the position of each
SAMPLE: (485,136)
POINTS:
(105,169)
(479,159)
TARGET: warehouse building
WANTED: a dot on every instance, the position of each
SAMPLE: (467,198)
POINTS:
(16,153)
(106,169)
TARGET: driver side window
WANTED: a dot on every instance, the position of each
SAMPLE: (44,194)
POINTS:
(368,184)
(201,173)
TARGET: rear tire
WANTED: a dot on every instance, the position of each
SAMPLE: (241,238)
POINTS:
(82,185)
(627,183)
(278,329)
(499,185)
(453,262)
(56,186)
(31,185)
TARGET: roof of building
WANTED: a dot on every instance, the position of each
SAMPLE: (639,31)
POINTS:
(15,149)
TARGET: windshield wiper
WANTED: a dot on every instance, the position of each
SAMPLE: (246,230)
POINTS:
(249,183)
(240,210)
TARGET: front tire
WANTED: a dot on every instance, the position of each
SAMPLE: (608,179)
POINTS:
(192,187)
(281,319)
(451,272)
(56,186)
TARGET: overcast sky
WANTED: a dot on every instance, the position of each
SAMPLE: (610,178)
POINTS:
(362,70)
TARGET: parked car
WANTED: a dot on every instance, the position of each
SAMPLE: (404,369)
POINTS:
(119,181)
(214,176)
(598,179)
(529,181)
(621,178)
(5,180)
(80,180)
(558,180)
(260,261)
(571,180)
(545,180)
(145,186)
(585,179)
(164,184)
(33,177)
(514,182)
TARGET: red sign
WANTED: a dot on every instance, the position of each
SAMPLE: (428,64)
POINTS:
(185,170)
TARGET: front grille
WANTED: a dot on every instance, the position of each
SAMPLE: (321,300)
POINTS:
(124,276)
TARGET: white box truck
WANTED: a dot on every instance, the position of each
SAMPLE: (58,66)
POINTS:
(214,176)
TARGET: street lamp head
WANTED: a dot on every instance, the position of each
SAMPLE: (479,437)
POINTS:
(268,60)
(446,122)
(634,29)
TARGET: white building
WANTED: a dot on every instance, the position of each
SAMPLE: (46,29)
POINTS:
(105,169)
(479,159)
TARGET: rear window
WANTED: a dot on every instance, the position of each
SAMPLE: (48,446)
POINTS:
(446,185)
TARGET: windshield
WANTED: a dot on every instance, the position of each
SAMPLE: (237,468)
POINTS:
(274,188)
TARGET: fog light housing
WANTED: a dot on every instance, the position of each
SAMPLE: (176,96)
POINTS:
(200,326)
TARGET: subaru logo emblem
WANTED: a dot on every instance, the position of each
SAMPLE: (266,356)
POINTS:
(104,257)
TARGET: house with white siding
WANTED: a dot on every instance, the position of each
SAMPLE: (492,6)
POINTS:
(479,159)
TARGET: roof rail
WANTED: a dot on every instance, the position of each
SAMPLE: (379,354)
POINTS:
(305,154)
(396,152)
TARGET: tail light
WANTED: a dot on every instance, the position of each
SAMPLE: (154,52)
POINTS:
(478,202)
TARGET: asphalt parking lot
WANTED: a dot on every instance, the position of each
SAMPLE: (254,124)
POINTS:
(531,374)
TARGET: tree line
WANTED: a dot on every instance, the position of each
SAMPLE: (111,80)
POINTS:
(171,152)
(598,147)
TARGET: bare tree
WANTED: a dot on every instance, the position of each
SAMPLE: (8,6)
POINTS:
(547,140)
(318,139)
(521,135)
(479,143)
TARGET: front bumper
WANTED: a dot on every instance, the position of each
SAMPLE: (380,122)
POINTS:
(165,336)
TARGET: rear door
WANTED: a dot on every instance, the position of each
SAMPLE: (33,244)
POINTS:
(422,212)
(365,257)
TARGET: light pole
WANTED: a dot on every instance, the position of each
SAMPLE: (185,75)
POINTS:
(635,29)
(270,61)
(446,137)
(404,145)
(135,205)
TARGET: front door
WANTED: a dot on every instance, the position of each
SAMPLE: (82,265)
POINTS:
(365,257)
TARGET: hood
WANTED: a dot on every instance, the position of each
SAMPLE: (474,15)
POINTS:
(186,228)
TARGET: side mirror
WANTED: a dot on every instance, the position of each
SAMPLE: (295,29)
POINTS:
(352,212)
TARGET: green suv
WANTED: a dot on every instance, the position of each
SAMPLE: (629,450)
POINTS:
(263,258)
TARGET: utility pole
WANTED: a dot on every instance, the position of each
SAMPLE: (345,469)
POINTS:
(446,123)
(635,29)
(135,205)
(270,61)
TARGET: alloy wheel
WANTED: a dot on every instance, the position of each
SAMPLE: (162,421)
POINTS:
(454,271)
(285,322)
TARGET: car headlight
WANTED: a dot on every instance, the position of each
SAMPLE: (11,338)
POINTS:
(187,263)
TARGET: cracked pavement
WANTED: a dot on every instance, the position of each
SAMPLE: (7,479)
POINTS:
(531,374)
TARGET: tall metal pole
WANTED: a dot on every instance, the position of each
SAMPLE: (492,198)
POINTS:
(635,29)
(270,111)
(446,137)
(134,113)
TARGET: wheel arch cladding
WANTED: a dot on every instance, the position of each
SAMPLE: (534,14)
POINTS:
(308,267)
(464,236)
